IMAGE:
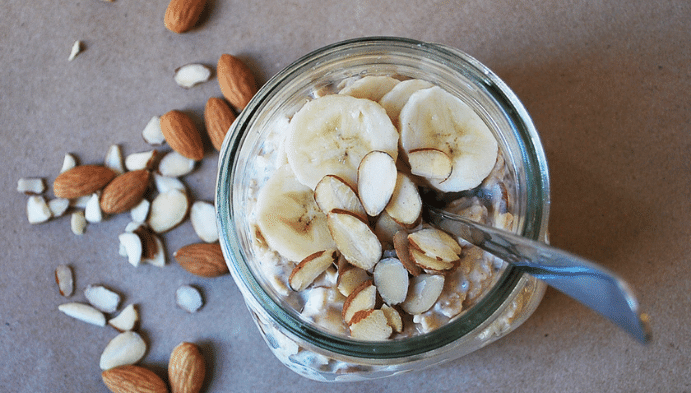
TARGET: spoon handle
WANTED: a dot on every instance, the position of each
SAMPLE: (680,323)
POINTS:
(583,280)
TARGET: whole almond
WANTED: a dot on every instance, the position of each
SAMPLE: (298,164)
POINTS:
(186,369)
(218,118)
(125,191)
(133,379)
(202,259)
(82,180)
(182,135)
(182,15)
(236,81)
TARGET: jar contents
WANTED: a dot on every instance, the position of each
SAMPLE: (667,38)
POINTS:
(335,207)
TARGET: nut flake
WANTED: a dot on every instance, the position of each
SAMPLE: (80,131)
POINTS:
(127,320)
(376,180)
(391,280)
(102,298)
(203,217)
(192,74)
(64,279)
(125,348)
(37,210)
(83,312)
(310,268)
(188,298)
(31,186)
(370,325)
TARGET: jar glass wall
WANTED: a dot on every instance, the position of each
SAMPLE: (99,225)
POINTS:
(309,349)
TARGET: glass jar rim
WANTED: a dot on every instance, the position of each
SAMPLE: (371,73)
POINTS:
(534,225)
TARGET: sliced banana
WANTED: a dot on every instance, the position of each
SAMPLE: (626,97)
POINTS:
(289,218)
(395,99)
(370,87)
(330,135)
(433,118)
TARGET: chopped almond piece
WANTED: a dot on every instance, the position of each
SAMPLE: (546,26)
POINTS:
(310,268)
(354,239)
(332,192)
(363,297)
(370,325)
(376,180)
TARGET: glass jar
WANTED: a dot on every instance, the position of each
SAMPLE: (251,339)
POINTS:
(301,345)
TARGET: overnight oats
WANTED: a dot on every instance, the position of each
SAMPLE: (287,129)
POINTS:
(320,199)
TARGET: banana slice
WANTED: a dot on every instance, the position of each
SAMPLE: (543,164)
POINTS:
(289,218)
(330,135)
(433,118)
(395,99)
(370,87)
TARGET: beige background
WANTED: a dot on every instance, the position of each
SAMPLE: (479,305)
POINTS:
(608,84)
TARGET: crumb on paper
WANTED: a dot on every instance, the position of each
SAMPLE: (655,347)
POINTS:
(76,48)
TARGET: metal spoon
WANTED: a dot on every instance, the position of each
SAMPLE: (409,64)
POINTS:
(585,281)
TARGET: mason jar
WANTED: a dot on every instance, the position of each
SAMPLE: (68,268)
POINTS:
(245,163)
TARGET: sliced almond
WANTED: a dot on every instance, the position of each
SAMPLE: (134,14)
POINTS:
(428,263)
(430,163)
(114,159)
(78,222)
(131,378)
(376,180)
(235,80)
(164,184)
(125,348)
(174,164)
(37,210)
(141,160)
(68,162)
(182,134)
(102,298)
(191,75)
(92,210)
(354,239)
(393,318)
(132,246)
(83,312)
(127,320)
(386,227)
(310,268)
(140,212)
(152,133)
(125,191)
(400,243)
(31,186)
(188,298)
(64,279)
(203,217)
(332,192)
(405,206)
(349,277)
(435,243)
(202,259)
(58,206)
(423,292)
(186,368)
(370,325)
(82,180)
(168,210)
(363,297)
(218,117)
(391,279)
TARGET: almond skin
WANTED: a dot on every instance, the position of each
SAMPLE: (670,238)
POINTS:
(132,379)
(218,117)
(186,369)
(82,180)
(236,81)
(182,15)
(125,191)
(182,135)
(202,259)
